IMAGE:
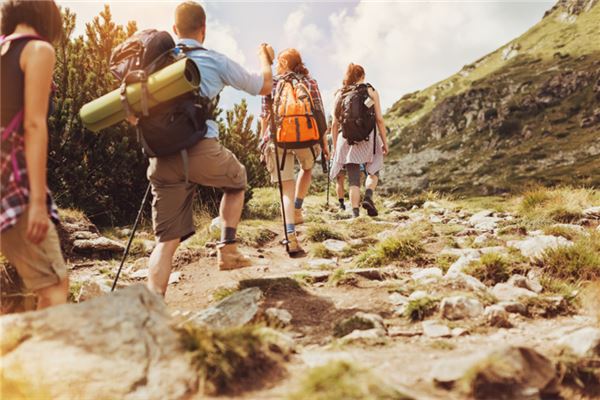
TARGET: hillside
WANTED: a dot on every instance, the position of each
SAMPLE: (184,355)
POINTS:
(528,113)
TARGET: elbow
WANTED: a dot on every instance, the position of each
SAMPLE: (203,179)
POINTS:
(34,125)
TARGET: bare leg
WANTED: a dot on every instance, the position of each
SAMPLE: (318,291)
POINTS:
(288,200)
(303,183)
(339,186)
(230,211)
(53,295)
(354,196)
(371,182)
(160,266)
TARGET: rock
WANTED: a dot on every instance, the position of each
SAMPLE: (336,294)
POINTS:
(592,212)
(497,316)
(91,289)
(374,274)
(215,225)
(140,263)
(513,307)
(426,275)
(463,262)
(120,346)
(466,281)
(397,299)
(484,221)
(174,277)
(236,310)
(431,205)
(518,373)
(460,307)
(311,276)
(446,372)
(359,321)
(506,292)
(381,236)
(397,331)
(434,329)
(83,235)
(584,342)
(481,239)
(456,332)
(278,317)
(335,246)
(369,337)
(140,274)
(525,283)
(97,245)
(534,247)
(321,262)
(417,295)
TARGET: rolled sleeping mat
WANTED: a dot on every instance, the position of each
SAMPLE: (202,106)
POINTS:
(178,78)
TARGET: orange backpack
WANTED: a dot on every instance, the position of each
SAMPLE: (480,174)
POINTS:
(294,109)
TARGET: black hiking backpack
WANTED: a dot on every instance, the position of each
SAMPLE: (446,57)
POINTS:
(356,118)
(170,127)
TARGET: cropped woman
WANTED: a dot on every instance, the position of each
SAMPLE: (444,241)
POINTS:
(27,214)
(291,68)
(365,154)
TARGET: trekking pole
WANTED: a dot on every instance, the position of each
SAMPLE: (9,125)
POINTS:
(274,139)
(328,172)
(135,225)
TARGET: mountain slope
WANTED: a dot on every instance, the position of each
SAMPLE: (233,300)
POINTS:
(528,113)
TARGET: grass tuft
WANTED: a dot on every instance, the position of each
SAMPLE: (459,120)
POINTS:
(418,310)
(342,380)
(320,233)
(263,205)
(490,269)
(226,359)
(580,261)
(398,248)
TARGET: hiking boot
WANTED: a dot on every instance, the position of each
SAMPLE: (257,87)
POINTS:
(368,205)
(298,217)
(229,257)
(342,206)
(293,247)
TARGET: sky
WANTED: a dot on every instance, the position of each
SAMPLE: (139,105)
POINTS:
(403,45)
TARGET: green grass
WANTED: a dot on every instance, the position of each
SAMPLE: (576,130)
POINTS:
(563,231)
(264,204)
(223,292)
(318,250)
(418,310)
(444,261)
(490,269)
(321,232)
(574,263)
(339,380)
(225,359)
(362,227)
(392,249)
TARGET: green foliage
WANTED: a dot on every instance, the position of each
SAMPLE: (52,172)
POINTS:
(564,231)
(342,380)
(322,232)
(223,292)
(398,248)
(580,261)
(490,269)
(419,309)
(320,251)
(223,357)
(444,261)
(264,204)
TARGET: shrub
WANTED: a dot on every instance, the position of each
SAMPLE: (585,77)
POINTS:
(581,261)
(490,269)
(419,309)
(264,205)
(320,233)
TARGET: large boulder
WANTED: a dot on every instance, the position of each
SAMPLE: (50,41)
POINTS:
(460,307)
(120,346)
(534,246)
(236,310)
(584,342)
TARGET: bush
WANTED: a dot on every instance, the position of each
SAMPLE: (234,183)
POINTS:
(580,261)
(390,250)
(490,269)
(418,310)
(320,233)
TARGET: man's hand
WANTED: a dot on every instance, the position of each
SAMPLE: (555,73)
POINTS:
(326,153)
(265,50)
(385,149)
(133,120)
(37,223)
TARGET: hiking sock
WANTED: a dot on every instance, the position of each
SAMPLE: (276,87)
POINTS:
(369,194)
(355,212)
(290,228)
(298,203)
(228,235)
(342,205)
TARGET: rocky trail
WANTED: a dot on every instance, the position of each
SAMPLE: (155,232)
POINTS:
(433,299)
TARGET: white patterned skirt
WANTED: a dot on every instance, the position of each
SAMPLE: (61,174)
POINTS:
(359,153)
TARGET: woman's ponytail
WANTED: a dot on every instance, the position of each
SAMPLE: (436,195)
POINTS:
(354,73)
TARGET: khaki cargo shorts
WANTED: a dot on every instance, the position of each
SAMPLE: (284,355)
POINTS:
(305,157)
(39,266)
(209,164)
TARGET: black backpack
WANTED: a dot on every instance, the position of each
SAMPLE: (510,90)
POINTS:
(170,127)
(357,120)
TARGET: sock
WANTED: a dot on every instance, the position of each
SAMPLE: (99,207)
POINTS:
(290,228)
(355,212)
(369,193)
(342,203)
(228,235)
(298,203)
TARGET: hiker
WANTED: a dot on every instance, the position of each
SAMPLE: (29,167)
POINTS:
(357,115)
(27,216)
(301,127)
(209,163)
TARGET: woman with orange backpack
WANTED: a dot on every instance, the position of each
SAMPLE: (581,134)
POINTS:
(363,141)
(294,127)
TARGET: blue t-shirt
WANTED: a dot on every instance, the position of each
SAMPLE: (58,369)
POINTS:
(218,71)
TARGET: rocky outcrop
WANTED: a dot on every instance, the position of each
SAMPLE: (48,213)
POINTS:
(120,346)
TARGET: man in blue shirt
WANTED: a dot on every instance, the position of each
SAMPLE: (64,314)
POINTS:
(209,164)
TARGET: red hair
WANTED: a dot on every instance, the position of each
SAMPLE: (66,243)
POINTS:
(354,73)
(292,61)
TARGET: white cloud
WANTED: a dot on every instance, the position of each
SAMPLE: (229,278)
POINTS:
(297,30)
(405,46)
(221,37)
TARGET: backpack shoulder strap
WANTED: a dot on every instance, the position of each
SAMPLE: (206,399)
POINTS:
(5,39)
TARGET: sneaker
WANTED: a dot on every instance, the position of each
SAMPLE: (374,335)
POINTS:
(298,217)
(368,205)
(294,249)
(229,257)
(342,206)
